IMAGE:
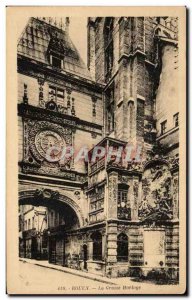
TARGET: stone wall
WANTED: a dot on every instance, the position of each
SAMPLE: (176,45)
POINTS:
(166,258)
(99,51)
(133,59)
(81,99)
(167,103)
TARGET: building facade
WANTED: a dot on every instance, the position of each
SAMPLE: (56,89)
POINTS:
(106,216)
(33,239)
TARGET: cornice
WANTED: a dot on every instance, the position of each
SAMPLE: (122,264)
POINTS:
(35,69)
(38,113)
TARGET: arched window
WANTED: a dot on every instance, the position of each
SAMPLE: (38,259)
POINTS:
(108,39)
(131,116)
(97,245)
(122,247)
(110,117)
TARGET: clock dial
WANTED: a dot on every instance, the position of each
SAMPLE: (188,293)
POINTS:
(49,142)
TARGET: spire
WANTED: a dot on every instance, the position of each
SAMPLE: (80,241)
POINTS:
(67,21)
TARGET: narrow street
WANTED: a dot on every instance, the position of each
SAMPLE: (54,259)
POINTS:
(31,276)
(44,279)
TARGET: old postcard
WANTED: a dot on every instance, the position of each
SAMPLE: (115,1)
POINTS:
(96,150)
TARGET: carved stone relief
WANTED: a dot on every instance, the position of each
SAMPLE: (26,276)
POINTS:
(157,197)
(113,189)
(176,196)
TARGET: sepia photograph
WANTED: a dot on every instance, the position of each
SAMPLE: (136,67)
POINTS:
(98,108)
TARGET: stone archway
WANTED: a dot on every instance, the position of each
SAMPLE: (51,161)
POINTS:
(63,218)
(48,197)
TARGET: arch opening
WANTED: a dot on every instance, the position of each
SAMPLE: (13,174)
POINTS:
(45,219)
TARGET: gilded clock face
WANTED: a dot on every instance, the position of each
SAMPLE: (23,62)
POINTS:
(49,142)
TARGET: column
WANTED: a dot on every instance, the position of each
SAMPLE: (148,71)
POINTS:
(112,243)
(134,198)
(111,270)
(112,195)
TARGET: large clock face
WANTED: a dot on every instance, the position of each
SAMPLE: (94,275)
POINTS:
(49,142)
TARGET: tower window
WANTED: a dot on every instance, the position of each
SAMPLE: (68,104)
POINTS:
(176,120)
(163,127)
(108,37)
(55,51)
(110,124)
(110,117)
(131,117)
(56,62)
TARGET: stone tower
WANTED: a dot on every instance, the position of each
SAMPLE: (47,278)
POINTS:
(133,58)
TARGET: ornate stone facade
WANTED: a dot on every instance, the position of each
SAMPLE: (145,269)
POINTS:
(101,214)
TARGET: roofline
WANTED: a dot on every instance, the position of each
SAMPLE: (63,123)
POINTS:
(70,76)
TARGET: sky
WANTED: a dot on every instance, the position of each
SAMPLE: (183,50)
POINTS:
(77,32)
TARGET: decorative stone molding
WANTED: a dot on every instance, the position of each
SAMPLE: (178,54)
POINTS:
(43,196)
(176,196)
(77,195)
(112,192)
(37,113)
(79,84)
(94,100)
(123,179)
(134,210)
(94,135)
(25,96)
(122,228)
(41,81)
(157,203)
(43,127)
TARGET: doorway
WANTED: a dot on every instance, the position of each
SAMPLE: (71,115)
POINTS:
(52,250)
(34,248)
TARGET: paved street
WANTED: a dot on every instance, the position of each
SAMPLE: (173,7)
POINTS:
(32,275)
(43,279)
